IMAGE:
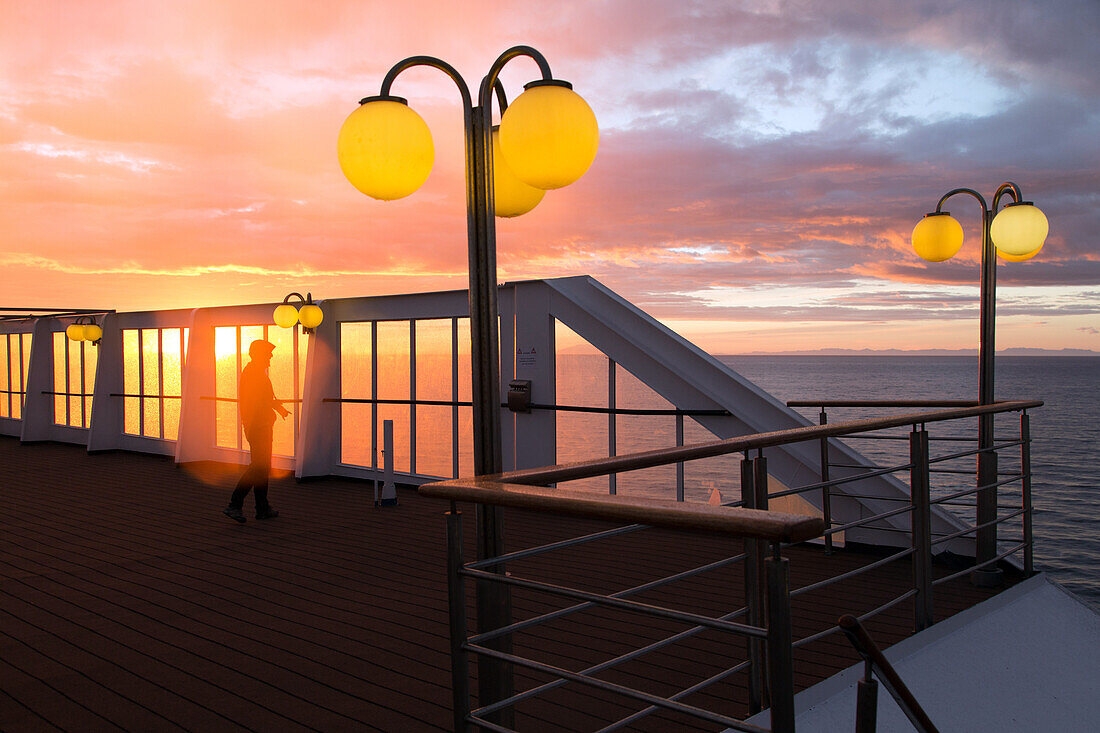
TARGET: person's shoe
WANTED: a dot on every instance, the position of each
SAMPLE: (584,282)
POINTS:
(235,514)
(268,513)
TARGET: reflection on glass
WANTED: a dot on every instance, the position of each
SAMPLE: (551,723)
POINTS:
(580,379)
(225,385)
(5,384)
(355,383)
(60,373)
(76,402)
(91,361)
(150,382)
(131,383)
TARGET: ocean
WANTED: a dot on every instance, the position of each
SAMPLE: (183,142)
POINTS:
(1065,432)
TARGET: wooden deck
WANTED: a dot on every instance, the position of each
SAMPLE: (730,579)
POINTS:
(128,601)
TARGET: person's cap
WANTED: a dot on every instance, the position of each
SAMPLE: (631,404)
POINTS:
(259,346)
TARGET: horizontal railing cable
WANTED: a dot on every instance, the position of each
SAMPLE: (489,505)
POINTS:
(636,607)
(990,561)
(866,520)
(531,551)
(607,664)
(976,527)
(691,710)
(852,573)
(552,615)
(870,614)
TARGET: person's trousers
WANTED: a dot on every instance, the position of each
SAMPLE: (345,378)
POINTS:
(259,469)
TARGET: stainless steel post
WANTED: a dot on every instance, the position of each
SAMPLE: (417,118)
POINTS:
(493,599)
(987,462)
(921,529)
(780,651)
(986,542)
(456,603)
(826,493)
(1025,491)
(867,701)
(754,594)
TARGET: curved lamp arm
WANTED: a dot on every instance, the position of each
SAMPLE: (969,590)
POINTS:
(972,192)
(491,79)
(308,299)
(1010,188)
(432,61)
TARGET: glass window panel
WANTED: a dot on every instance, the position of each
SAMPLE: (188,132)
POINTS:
(281,373)
(580,379)
(76,380)
(248,335)
(60,413)
(400,415)
(303,351)
(465,376)
(225,355)
(5,384)
(91,361)
(393,360)
(355,443)
(355,383)
(150,364)
(433,439)
(433,361)
(465,441)
(171,361)
(171,419)
(226,416)
(18,376)
(131,385)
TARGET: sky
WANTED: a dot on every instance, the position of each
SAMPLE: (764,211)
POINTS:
(761,164)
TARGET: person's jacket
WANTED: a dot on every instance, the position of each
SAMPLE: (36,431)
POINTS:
(256,398)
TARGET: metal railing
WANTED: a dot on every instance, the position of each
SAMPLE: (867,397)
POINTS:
(765,620)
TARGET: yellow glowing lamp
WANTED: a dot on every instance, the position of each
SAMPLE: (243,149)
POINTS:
(285,315)
(937,237)
(1018,258)
(511,196)
(310,315)
(1019,229)
(549,135)
(385,148)
(92,332)
(75,332)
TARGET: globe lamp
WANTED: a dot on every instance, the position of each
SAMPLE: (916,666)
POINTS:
(1019,229)
(75,332)
(92,332)
(385,148)
(937,237)
(310,315)
(511,196)
(285,315)
(549,135)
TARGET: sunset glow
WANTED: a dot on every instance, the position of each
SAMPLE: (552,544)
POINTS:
(760,166)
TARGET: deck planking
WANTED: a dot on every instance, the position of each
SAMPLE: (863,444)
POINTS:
(128,602)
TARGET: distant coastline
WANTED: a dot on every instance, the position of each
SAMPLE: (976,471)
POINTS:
(1018,351)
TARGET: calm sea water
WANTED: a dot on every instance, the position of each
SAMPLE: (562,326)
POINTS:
(1065,432)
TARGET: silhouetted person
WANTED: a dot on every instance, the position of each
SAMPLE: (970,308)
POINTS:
(257,403)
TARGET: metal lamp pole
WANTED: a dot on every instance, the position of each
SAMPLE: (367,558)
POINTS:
(986,548)
(494,600)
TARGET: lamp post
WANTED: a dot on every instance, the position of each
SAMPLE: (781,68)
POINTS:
(1016,233)
(547,139)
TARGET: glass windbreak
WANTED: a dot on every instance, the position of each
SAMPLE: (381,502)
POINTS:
(152,376)
(74,366)
(413,373)
(287,374)
(15,356)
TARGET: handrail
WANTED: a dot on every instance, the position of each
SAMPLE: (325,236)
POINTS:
(870,652)
(664,456)
(882,403)
(771,526)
